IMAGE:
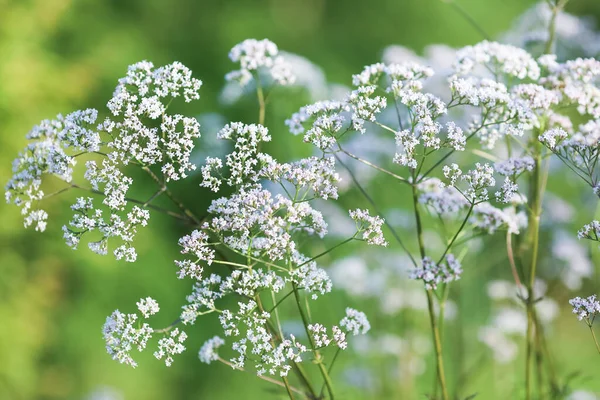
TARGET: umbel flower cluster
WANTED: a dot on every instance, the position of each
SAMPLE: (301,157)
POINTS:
(247,257)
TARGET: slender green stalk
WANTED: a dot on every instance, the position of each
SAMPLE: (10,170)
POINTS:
(469,19)
(150,206)
(595,340)
(377,210)
(327,251)
(266,378)
(261,102)
(337,352)
(437,343)
(533,241)
(170,195)
(462,226)
(318,358)
(288,388)
(556,8)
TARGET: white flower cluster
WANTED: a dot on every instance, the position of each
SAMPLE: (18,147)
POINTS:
(142,95)
(369,226)
(433,274)
(551,138)
(256,56)
(138,132)
(355,322)
(328,122)
(580,150)
(87,219)
(489,219)
(576,80)
(332,119)
(364,106)
(171,345)
(121,336)
(308,174)
(321,338)
(309,277)
(590,231)
(444,200)
(478,181)
(208,351)
(586,309)
(196,243)
(47,154)
(514,166)
(498,59)
(261,228)
(123,332)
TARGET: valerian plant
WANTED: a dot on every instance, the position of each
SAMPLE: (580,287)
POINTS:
(244,255)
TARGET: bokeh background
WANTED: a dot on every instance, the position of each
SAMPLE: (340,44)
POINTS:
(60,55)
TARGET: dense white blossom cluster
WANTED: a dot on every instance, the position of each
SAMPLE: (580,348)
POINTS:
(139,131)
(514,166)
(369,226)
(259,56)
(433,274)
(355,322)
(208,351)
(478,181)
(489,219)
(87,219)
(590,231)
(586,309)
(124,332)
(444,200)
(171,345)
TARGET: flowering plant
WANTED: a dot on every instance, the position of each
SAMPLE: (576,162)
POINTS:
(464,147)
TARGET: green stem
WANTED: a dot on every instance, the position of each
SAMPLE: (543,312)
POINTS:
(261,102)
(142,203)
(329,369)
(264,378)
(318,358)
(377,210)
(462,226)
(533,240)
(287,387)
(595,341)
(327,251)
(437,343)
(170,195)
(560,4)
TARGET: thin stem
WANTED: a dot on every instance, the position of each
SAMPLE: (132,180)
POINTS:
(511,260)
(327,251)
(533,240)
(261,101)
(469,19)
(318,358)
(288,388)
(549,49)
(430,303)
(378,168)
(142,203)
(275,305)
(594,336)
(265,378)
(337,352)
(462,226)
(377,210)
(175,201)
(170,326)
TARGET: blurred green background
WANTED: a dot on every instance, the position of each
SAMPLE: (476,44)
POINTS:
(60,55)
